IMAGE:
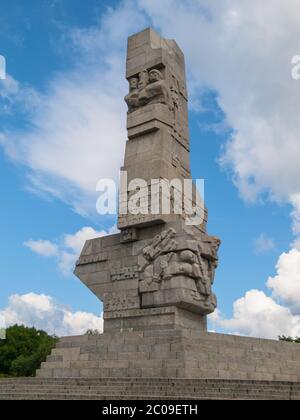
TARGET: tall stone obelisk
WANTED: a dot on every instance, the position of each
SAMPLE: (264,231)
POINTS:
(159,270)
(157,121)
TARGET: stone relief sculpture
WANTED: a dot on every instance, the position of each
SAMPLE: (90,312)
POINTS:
(132,99)
(148,88)
(156,258)
(165,259)
(157,91)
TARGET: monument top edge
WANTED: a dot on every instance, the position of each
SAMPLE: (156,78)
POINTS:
(152,37)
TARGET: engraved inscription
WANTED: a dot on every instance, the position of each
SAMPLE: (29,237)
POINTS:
(116,303)
(126,273)
(89,259)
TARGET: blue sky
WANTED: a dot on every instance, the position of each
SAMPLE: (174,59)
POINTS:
(65,86)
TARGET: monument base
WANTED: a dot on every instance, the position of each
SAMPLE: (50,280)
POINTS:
(154,318)
(172,353)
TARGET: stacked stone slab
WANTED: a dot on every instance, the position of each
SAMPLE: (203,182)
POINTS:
(155,277)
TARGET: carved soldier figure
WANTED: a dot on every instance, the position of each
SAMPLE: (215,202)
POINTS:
(149,88)
(187,263)
(157,90)
(132,99)
(209,252)
(143,82)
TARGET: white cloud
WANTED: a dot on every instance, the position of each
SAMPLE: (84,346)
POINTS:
(76,139)
(44,313)
(295,199)
(243,51)
(286,284)
(260,316)
(76,131)
(264,244)
(14,96)
(68,248)
(9,88)
(76,241)
(2,67)
(42,247)
(72,245)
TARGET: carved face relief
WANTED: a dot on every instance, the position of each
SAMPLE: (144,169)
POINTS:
(133,83)
(155,76)
(148,88)
(143,79)
(188,257)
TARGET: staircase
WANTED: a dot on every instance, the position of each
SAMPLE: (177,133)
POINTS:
(146,389)
(163,365)
(172,354)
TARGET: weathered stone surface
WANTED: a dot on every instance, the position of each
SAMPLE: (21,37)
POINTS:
(134,388)
(176,353)
(157,260)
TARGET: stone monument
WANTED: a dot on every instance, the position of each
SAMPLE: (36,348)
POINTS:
(155,277)
(158,271)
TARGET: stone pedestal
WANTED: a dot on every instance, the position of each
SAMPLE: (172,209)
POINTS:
(172,353)
(159,318)
(153,280)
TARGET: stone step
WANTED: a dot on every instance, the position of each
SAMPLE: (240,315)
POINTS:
(166,392)
(212,342)
(172,381)
(107,396)
(125,388)
(144,381)
(199,384)
(147,389)
(97,362)
(165,395)
(177,344)
(137,351)
(46,396)
(263,374)
(160,388)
